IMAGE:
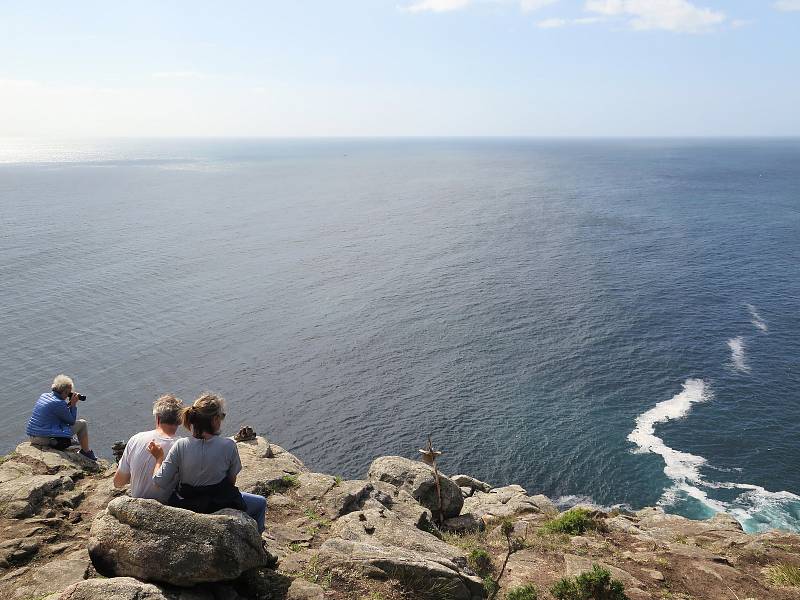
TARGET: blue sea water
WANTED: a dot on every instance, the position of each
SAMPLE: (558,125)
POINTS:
(608,319)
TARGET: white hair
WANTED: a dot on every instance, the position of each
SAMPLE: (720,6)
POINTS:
(62,384)
(167,409)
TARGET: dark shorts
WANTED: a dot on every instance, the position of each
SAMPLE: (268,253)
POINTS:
(59,443)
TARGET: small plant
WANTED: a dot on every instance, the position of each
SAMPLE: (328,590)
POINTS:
(290,481)
(480,561)
(295,547)
(591,585)
(507,529)
(337,480)
(576,521)
(490,586)
(522,592)
(784,575)
(317,518)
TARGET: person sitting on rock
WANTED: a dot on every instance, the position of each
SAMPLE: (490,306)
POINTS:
(136,464)
(55,419)
(202,469)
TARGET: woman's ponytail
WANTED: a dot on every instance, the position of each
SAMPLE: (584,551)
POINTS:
(199,417)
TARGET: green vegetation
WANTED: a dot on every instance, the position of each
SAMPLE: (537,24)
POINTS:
(290,481)
(784,575)
(522,592)
(592,585)
(296,547)
(490,586)
(317,518)
(480,561)
(465,541)
(337,480)
(314,572)
(422,587)
(576,521)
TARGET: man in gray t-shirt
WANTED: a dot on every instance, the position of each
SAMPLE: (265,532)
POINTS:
(137,464)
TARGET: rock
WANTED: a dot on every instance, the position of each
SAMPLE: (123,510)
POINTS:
(49,578)
(116,588)
(305,590)
(401,503)
(463,524)
(379,542)
(417,479)
(466,492)
(66,462)
(22,496)
(655,575)
(314,486)
(501,502)
(471,483)
(345,497)
(544,504)
(132,537)
(264,467)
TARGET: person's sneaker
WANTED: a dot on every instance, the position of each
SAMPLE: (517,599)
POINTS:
(88,454)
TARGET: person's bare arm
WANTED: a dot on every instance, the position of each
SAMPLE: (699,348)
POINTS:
(121,479)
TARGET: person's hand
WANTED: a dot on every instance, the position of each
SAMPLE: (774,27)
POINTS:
(156,450)
(73,399)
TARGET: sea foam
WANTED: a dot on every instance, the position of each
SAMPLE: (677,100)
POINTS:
(756,319)
(757,508)
(680,466)
(737,354)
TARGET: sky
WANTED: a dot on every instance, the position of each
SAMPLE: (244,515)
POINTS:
(289,68)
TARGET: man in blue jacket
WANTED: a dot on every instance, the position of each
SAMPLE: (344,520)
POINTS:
(55,419)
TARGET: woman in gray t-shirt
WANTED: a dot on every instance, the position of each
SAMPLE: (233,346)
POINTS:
(206,458)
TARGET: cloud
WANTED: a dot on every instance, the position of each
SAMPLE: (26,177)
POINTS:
(532,5)
(440,6)
(179,75)
(787,5)
(678,16)
(552,23)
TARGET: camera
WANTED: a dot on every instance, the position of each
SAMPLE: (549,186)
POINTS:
(81,397)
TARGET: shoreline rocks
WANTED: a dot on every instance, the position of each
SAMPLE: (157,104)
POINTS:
(133,537)
(64,527)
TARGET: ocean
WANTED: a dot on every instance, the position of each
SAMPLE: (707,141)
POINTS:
(615,321)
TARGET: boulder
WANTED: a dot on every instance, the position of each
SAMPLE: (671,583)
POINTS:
(48,578)
(345,497)
(402,504)
(116,588)
(503,502)
(132,537)
(22,491)
(471,483)
(463,524)
(66,462)
(382,545)
(128,588)
(265,467)
(418,480)
(305,590)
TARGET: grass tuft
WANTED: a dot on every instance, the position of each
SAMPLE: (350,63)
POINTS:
(576,521)
(522,592)
(784,575)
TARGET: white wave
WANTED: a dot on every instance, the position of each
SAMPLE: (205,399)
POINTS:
(757,509)
(737,354)
(756,319)
(682,468)
(679,466)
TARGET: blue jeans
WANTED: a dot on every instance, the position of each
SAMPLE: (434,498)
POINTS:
(256,508)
